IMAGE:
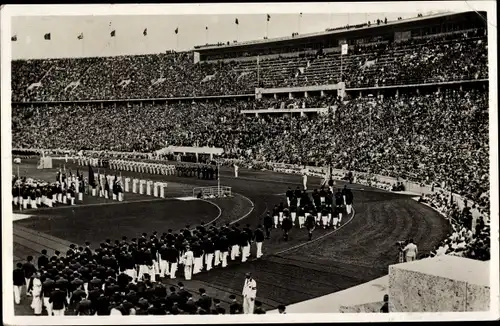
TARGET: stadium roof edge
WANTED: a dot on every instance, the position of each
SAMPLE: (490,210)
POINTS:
(203,48)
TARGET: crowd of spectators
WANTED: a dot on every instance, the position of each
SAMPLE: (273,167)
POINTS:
(457,56)
(124,77)
(440,137)
(125,276)
(466,239)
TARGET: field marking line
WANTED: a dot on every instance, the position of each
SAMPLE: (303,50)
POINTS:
(251,210)
(218,207)
(321,237)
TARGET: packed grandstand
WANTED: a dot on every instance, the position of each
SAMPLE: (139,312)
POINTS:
(414,108)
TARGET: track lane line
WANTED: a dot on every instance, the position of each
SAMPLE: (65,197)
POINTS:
(321,237)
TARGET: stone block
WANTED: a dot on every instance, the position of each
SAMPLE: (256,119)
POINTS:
(411,291)
(370,307)
(478,298)
(440,284)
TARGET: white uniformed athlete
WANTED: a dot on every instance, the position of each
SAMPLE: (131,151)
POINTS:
(304,178)
(249,293)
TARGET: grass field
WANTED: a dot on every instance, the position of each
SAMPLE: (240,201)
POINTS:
(289,272)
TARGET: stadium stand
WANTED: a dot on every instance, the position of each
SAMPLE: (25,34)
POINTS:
(454,57)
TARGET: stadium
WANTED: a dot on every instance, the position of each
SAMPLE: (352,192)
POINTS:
(335,153)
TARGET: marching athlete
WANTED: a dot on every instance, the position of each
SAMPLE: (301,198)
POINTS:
(310,224)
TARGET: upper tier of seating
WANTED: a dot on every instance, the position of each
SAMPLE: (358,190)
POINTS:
(426,60)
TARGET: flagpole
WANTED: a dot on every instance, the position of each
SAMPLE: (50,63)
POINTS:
(19,191)
(300,19)
(258,71)
(218,178)
(206,35)
(267,28)
(83,48)
(341,57)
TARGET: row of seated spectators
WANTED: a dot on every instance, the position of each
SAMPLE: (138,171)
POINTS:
(440,137)
(427,60)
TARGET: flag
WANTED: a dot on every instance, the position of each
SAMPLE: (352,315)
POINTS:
(47,36)
(236,21)
(113,33)
(208,78)
(243,74)
(145,33)
(60,178)
(300,15)
(177,30)
(451,198)
(268,17)
(206,28)
(32,86)
(80,37)
(344,49)
(14,38)
(369,63)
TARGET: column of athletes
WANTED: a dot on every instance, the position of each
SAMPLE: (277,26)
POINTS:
(29,193)
(326,209)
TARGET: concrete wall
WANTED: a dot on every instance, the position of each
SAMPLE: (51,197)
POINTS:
(366,297)
(440,284)
(371,307)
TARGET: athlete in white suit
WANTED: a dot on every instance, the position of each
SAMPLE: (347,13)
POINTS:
(304,178)
(249,294)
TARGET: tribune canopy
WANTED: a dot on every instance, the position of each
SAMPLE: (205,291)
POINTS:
(194,150)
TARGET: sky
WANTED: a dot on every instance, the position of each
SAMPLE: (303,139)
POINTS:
(65,23)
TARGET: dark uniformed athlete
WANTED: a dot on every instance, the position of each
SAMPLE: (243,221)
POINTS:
(310,225)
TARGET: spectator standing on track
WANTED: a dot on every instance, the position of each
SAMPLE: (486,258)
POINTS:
(386,307)
(249,294)
(19,282)
(411,251)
